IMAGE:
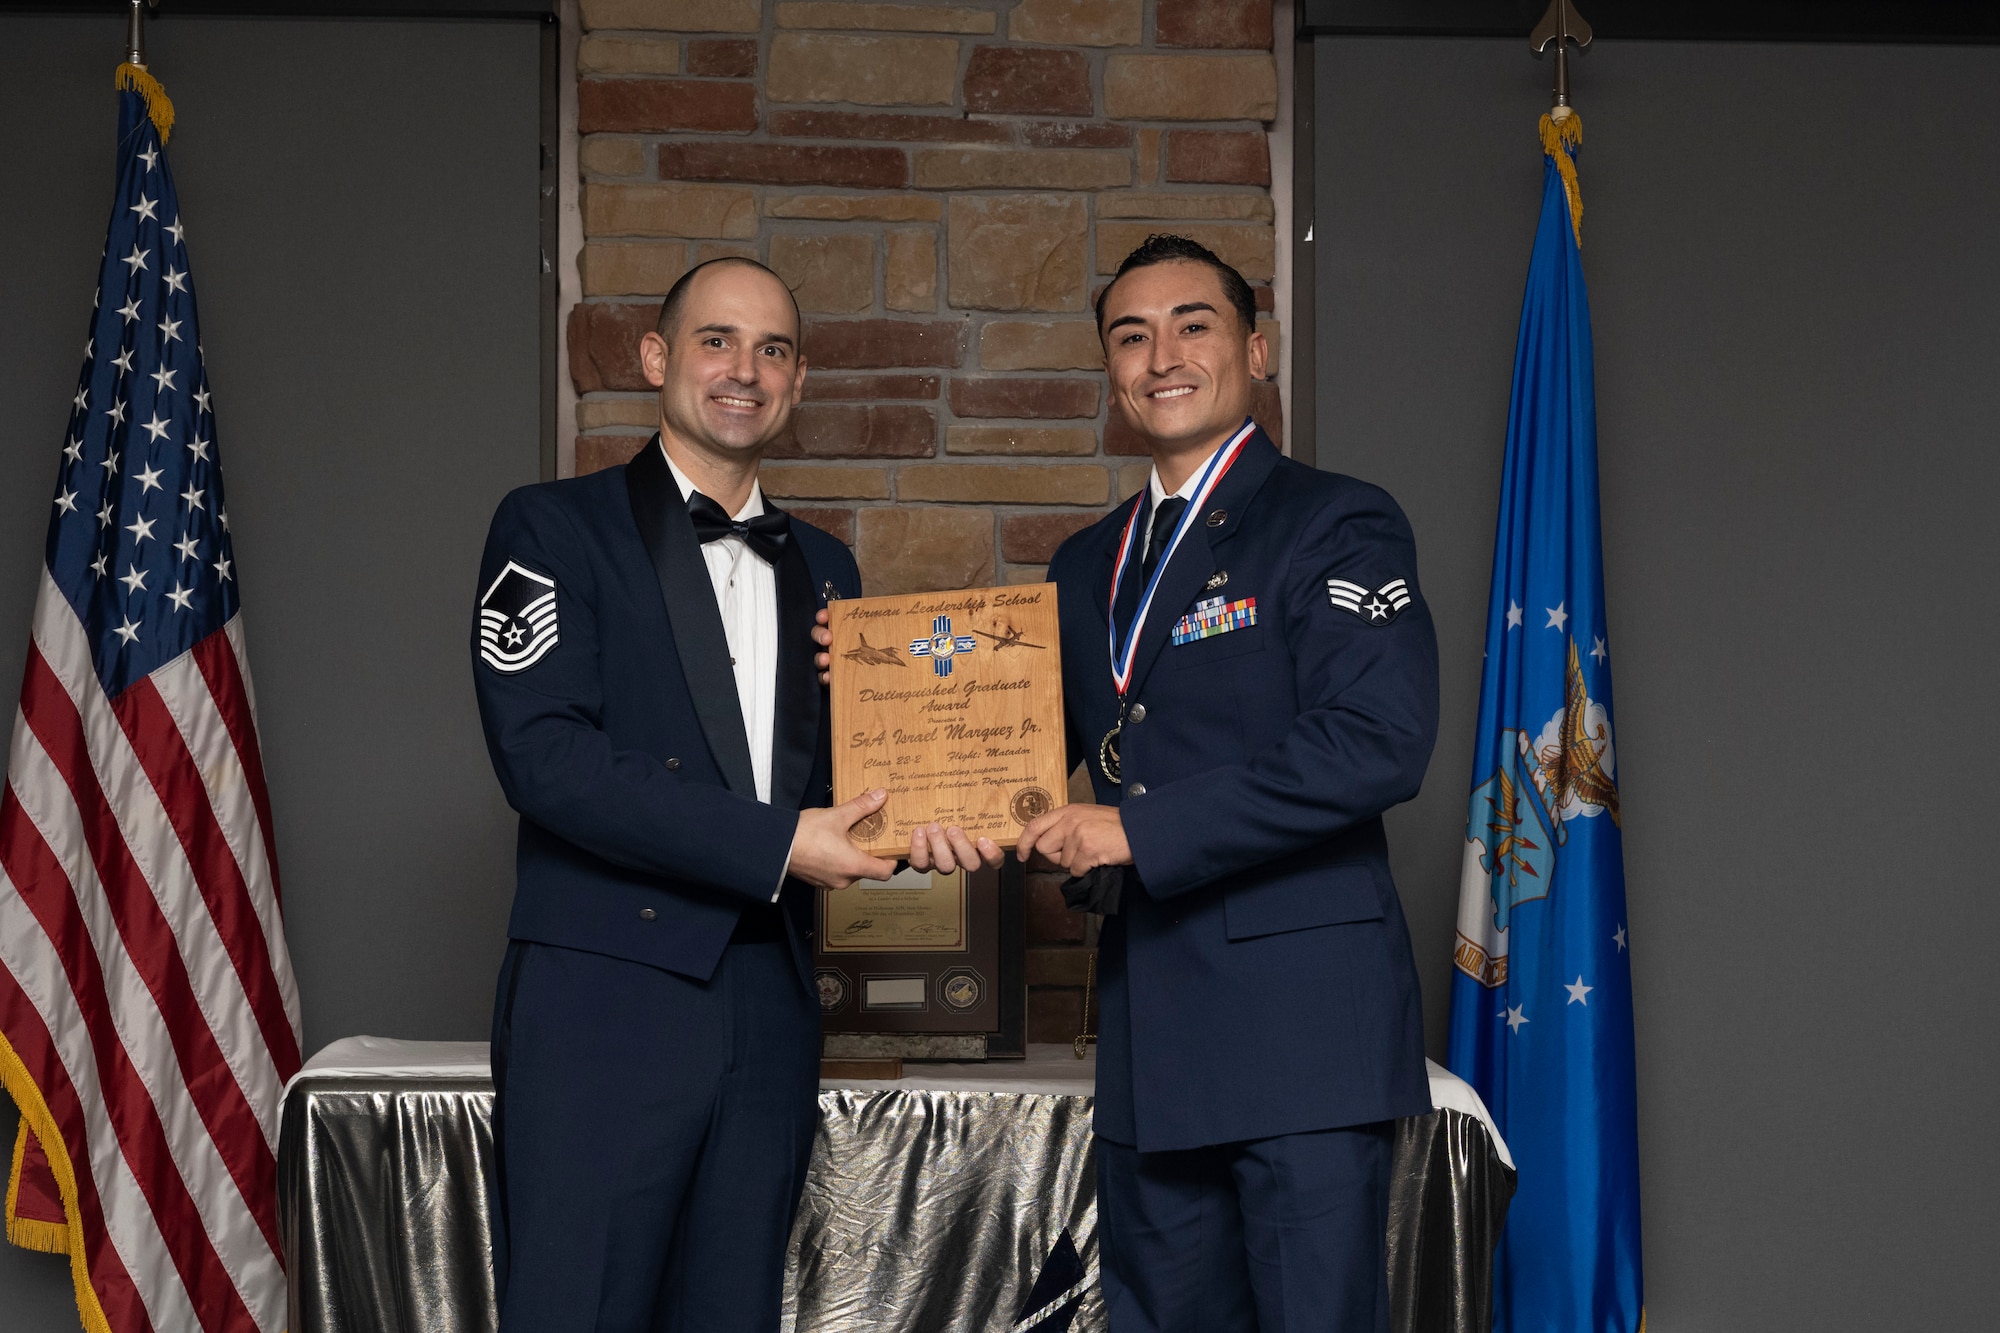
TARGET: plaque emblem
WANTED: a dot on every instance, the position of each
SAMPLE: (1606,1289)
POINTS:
(1011,638)
(833,988)
(961,990)
(1030,804)
(865,653)
(865,831)
(942,645)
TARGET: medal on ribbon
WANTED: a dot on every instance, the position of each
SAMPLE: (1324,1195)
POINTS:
(1125,652)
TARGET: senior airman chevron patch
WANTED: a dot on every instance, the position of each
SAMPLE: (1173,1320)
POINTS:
(1377,607)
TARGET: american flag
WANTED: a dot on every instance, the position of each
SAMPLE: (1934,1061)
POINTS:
(146,994)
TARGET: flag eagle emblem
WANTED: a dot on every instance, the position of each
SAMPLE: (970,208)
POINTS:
(1378,606)
(517,619)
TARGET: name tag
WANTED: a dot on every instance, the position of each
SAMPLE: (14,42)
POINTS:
(1215,616)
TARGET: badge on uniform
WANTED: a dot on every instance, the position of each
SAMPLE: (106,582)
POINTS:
(1215,616)
(1377,606)
(517,619)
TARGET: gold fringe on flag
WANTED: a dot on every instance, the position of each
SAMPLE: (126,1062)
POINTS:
(1560,139)
(30,1233)
(35,1116)
(158,106)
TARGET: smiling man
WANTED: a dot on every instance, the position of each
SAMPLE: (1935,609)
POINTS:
(1250,674)
(643,657)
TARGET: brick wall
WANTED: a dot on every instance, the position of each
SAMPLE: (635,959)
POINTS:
(945,187)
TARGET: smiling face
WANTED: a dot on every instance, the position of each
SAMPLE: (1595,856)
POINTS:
(1180,361)
(728,369)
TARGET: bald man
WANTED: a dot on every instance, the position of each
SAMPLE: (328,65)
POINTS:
(644,664)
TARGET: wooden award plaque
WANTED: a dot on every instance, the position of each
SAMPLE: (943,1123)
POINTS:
(953,702)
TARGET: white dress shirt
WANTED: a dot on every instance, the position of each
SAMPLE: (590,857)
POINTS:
(1156,491)
(746,592)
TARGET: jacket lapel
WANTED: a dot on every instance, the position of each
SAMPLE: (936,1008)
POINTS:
(795,733)
(1194,561)
(1239,489)
(670,542)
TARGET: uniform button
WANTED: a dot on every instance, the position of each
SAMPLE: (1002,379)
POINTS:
(647,914)
(1138,713)
(1135,789)
(809,932)
(673,764)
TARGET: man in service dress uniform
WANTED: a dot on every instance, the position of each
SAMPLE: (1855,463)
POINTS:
(1251,675)
(644,663)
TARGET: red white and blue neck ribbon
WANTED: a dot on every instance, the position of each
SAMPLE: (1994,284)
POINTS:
(1124,654)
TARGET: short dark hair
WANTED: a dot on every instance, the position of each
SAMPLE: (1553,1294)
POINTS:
(670,308)
(1163,247)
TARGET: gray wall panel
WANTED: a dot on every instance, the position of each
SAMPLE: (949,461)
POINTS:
(362,222)
(1796,302)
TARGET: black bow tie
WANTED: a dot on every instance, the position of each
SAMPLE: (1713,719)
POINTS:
(764,534)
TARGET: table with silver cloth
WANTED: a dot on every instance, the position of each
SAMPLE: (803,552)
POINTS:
(937,1203)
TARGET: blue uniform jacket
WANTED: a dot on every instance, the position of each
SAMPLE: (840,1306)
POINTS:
(1259,979)
(612,718)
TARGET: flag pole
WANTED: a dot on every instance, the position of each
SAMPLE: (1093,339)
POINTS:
(1561,25)
(135,32)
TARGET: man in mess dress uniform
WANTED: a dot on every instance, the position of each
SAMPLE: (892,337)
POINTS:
(1250,674)
(644,663)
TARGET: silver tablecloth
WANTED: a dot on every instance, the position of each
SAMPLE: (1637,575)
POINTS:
(959,1200)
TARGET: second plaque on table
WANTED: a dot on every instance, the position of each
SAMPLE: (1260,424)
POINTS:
(952,701)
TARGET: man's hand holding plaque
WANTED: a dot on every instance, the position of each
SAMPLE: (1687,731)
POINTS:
(822,853)
(952,702)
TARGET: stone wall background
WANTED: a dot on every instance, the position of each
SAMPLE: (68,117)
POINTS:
(945,187)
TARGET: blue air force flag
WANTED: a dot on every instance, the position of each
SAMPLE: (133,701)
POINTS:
(1541,1006)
